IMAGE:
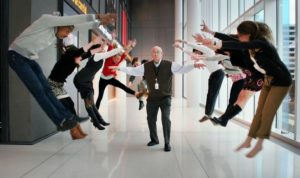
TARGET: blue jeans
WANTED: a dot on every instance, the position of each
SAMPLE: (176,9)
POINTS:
(32,76)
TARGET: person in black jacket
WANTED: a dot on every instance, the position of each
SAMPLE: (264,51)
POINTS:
(257,38)
(69,60)
(83,81)
(242,90)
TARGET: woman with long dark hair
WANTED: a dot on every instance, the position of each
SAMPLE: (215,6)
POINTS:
(67,63)
(257,38)
(243,90)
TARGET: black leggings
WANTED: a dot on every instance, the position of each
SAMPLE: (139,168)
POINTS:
(114,82)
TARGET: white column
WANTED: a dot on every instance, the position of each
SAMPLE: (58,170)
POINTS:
(178,54)
(194,77)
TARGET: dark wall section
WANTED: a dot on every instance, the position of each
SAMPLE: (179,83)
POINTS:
(4,134)
(28,122)
(152,23)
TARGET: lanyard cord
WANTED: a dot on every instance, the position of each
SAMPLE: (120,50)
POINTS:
(156,71)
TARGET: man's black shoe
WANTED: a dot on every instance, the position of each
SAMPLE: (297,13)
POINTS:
(152,143)
(82,119)
(67,124)
(167,148)
(141,105)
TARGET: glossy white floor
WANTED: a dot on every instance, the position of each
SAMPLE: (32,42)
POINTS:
(198,150)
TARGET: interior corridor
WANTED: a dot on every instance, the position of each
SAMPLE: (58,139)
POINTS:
(198,150)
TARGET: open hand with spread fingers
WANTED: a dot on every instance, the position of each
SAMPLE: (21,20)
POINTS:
(199,65)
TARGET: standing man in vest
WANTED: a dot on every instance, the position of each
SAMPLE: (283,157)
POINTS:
(158,75)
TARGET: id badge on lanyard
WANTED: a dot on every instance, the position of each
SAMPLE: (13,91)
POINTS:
(156,85)
(156,71)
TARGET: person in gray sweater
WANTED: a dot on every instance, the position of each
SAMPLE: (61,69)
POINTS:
(24,51)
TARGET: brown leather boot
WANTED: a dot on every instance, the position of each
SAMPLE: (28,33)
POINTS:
(75,133)
(80,130)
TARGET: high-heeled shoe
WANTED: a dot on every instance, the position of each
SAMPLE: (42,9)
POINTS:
(99,117)
(97,124)
(93,114)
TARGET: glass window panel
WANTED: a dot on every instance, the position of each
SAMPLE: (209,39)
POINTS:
(260,16)
(241,6)
(223,14)
(215,17)
(285,121)
(234,10)
(248,4)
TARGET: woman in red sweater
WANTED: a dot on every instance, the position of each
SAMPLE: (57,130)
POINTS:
(108,75)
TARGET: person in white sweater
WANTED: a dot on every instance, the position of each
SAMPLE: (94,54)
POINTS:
(215,79)
(24,51)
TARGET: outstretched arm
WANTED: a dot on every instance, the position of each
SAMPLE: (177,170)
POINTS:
(95,41)
(178,69)
(218,57)
(135,71)
(206,29)
(204,49)
(177,44)
(236,45)
(107,54)
(56,21)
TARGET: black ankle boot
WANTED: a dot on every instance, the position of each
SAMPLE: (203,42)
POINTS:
(97,124)
(219,121)
(99,117)
(94,119)
(229,114)
(101,121)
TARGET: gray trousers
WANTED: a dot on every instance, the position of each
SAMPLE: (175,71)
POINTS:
(152,111)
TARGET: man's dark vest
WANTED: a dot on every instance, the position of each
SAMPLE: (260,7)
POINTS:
(163,74)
